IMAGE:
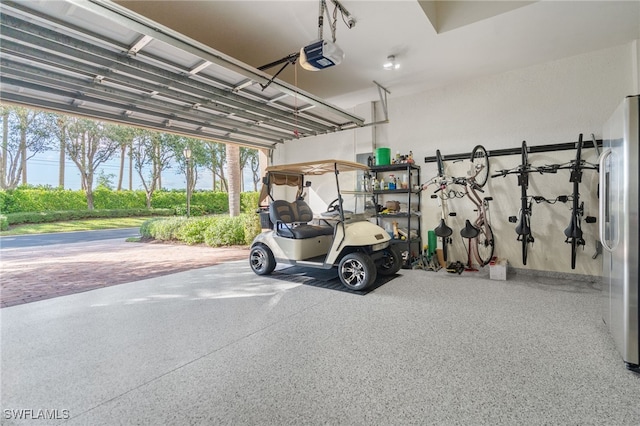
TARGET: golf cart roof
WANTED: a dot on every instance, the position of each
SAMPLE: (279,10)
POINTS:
(317,167)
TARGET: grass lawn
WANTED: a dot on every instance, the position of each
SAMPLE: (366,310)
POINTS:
(76,225)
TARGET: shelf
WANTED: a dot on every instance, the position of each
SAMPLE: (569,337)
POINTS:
(394,191)
(409,220)
(357,192)
(398,215)
(394,167)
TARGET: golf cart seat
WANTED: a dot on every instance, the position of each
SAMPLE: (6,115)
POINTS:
(291,220)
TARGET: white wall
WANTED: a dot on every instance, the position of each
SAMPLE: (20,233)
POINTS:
(549,103)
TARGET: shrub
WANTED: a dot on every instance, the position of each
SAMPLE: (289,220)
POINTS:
(249,202)
(147,227)
(226,231)
(192,230)
(4,223)
(163,229)
(211,202)
(215,202)
(36,199)
(30,199)
(252,226)
(104,198)
(195,210)
(55,216)
(214,231)
(6,201)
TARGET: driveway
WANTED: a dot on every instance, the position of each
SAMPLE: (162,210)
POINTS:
(41,267)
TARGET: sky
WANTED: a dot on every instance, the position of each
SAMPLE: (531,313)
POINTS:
(42,169)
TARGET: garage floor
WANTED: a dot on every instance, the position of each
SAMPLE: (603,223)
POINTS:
(220,345)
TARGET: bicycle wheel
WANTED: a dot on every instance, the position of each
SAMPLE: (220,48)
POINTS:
(525,237)
(485,244)
(480,160)
(576,177)
(440,163)
(524,183)
(445,243)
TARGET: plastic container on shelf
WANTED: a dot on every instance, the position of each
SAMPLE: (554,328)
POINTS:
(383,156)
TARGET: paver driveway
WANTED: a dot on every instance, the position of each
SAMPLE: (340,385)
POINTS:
(36,273)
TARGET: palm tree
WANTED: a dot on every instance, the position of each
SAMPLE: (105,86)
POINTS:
(233,173)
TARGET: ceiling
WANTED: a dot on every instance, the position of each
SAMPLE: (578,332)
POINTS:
(191,67)
(97,59)
(436,42)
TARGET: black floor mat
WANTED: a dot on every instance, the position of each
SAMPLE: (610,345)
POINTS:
(324,278)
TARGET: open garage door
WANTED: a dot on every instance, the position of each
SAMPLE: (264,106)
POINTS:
(96,59)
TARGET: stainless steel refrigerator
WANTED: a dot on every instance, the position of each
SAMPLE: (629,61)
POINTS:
(619,208)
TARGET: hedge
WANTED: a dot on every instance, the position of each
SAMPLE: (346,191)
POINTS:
(56,216)
(42,199)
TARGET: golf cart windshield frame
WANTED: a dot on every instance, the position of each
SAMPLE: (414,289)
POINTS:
(294,174)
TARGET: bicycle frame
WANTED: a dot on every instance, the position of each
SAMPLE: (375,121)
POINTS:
(443,230)
(485,239)
(479,169)
(524,225)
(573,232)
(523,229)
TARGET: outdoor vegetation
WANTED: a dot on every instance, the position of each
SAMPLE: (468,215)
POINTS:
(222,215)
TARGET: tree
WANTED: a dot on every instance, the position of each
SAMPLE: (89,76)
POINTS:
(124,136)
(61,132)
(89,144)
(25,133)
(255,170)
(215,158)
(249,157)
(152,153)
(105,180)
(233,171)
(199,158)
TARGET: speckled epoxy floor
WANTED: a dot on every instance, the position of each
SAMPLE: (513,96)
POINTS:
(220,345)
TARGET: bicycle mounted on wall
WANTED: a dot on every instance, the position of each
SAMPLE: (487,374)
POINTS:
(480,236)
(481,243)
(573,232)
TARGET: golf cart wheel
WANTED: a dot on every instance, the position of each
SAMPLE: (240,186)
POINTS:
(261,260)
(357,271)
(391,262)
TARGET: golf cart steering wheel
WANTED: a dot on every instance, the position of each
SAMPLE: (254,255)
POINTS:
(334,206)
(333,210)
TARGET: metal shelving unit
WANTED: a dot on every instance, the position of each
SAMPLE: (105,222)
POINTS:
(411,218)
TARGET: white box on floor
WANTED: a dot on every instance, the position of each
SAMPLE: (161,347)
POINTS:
(498,269)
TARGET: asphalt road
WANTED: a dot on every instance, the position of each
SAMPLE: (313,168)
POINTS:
(23,241)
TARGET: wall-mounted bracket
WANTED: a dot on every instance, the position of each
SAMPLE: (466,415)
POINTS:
(595,143)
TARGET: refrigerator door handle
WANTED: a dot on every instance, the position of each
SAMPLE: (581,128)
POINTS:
(603,195)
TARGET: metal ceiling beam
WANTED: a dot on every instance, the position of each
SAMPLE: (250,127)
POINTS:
(75,54)
(61,55)
(141,101)
(77,109)
(173,38)
(121,106)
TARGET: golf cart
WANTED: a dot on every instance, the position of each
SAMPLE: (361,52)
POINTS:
(342,236)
